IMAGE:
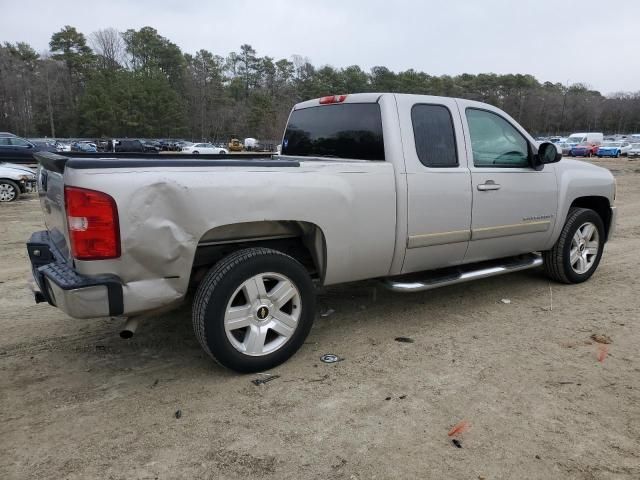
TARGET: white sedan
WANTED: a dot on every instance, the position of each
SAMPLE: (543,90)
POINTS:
(198,148)
(634,151)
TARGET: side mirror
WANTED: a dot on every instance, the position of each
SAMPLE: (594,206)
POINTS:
(547,153)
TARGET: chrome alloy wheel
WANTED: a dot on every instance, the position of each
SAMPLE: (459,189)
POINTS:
(584,248)
(262,314)
(7,192)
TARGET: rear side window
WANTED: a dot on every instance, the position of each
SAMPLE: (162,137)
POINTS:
(434,136)
(348,130)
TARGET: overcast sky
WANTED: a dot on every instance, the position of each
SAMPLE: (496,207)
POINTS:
(590,41)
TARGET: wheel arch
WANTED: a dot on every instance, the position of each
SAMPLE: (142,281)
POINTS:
(598,204)
(302,240)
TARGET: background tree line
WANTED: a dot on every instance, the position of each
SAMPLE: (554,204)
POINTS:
(139,84)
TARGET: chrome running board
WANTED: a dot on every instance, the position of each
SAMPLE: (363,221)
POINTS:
(418,282)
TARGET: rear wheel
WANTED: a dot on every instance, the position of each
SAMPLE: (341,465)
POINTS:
(9,191)
(577,253)
(254,309)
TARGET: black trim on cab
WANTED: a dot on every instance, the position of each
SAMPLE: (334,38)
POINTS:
(47,262)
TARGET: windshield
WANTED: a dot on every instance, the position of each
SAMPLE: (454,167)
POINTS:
(348,130)
(576,139)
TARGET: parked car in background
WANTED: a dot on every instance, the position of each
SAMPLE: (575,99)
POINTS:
(15,180)
(198,148)
(129,146)
(151,146)
(62,146)
(634,151)
(85,147)
(583,150)
(17,149)
(613,149)
(565,148)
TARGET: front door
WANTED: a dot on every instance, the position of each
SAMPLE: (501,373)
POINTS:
(514,205)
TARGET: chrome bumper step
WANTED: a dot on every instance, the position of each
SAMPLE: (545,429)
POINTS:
(418,282)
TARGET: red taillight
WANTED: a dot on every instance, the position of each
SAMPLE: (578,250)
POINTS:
(92,218)
(332,99)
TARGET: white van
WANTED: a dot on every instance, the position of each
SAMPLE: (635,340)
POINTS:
(585,138)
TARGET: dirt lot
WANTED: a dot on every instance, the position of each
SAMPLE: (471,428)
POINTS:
(78,402)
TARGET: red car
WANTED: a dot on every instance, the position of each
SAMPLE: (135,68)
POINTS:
(585,150)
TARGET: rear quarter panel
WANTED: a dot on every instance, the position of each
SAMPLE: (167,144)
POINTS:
(163,214)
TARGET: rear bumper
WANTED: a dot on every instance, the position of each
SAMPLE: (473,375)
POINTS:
(77,295)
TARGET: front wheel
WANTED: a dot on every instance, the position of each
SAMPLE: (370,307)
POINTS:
(254,309)
(577,253)
(196,152)
(9,191)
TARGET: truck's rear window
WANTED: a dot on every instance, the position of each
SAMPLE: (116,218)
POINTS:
(348,130)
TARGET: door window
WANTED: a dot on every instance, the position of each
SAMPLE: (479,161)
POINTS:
(19,142)
(434,136)
(495,142)
(4,142)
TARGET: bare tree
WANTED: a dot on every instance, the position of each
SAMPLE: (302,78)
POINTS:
(109,47)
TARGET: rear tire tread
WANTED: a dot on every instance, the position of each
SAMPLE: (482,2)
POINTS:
(208,285)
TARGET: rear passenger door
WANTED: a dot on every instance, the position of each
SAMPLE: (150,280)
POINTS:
(438,182)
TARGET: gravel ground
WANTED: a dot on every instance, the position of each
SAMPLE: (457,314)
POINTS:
(78,402)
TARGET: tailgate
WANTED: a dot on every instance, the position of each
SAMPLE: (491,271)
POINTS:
(51,194)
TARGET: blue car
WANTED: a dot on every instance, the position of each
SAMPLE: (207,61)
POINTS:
(612,149)
(83,147)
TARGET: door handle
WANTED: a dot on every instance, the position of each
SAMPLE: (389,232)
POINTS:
(488,185)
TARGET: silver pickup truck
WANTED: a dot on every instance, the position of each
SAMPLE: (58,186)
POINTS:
(415,191)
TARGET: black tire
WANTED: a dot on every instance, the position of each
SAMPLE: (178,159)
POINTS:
(557,263)
(12,190)
(215,291)
(196,153)
(617,154)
